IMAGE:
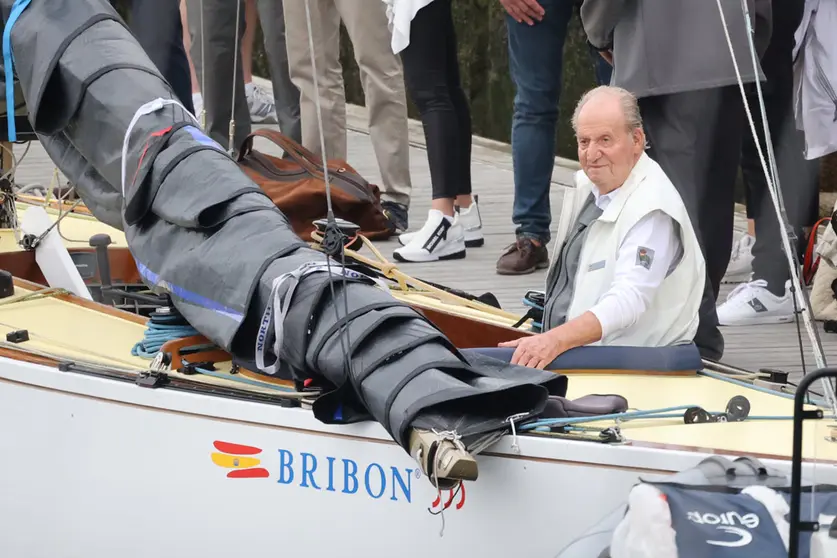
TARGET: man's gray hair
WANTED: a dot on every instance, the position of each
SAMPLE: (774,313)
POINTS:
(630,106)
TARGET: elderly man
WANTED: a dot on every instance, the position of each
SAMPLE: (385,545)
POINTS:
(674,57)
(630,269)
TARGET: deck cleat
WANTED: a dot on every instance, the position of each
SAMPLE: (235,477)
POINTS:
(442,458)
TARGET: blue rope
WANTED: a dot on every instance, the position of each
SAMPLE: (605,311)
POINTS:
(157,334)
(8,65)
(544,428)
(160,330)
(611,416)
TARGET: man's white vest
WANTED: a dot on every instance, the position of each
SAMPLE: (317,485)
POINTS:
(672,315)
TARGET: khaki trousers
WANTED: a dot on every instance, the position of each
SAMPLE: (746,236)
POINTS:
(381,75)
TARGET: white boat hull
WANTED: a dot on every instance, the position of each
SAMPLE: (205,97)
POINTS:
(97,468)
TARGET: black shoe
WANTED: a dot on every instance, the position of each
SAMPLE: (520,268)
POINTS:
(396,214)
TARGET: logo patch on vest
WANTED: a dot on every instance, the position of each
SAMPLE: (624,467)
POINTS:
(644,257)
(596,265)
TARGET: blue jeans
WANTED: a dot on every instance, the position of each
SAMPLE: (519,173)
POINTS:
(536,64)
(601,67)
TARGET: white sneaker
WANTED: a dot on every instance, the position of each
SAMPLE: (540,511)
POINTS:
(752,304)
(740,267)
(471,222)
(262,106)
(441,238)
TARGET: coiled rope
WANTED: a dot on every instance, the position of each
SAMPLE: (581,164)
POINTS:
(160,329)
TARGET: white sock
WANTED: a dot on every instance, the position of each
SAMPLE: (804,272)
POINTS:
(249,88)
(197,99)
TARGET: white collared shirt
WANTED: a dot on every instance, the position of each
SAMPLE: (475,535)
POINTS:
(634,285)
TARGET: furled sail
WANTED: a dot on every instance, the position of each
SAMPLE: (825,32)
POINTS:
(200,230)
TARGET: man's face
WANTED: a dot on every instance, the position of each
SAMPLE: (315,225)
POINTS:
(607,149)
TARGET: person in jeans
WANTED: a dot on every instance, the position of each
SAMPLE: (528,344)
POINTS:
(536,45)
(382,78)
(431,72)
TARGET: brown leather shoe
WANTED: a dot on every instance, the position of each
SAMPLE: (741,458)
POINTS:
(523,257)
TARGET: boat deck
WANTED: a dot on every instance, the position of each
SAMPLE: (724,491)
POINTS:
(751,347)
(108,335)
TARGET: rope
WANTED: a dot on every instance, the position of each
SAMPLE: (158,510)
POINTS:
(160,330)
(163,328)
(41,293)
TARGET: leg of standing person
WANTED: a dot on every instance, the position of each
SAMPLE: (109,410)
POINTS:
(261,105)
(285,93)
(696,138)
(325,26)
(536,65)
(767,299)
(431,71)
(197,99)
(217,40)
(157,27)
(382,77)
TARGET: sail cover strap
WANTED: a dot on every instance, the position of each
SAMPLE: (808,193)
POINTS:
(8,66)
(273,318)
(148,108)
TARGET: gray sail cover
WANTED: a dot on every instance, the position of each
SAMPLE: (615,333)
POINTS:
(200,230)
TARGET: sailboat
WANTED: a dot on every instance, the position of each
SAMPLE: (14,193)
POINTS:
(138,417)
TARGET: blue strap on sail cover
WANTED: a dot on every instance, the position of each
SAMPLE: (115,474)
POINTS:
(8,65)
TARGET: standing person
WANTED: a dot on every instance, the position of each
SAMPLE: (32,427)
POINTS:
(217,41)
(673,55)
(766,298)
(431,72)
(537,30)
(382,79)
(156,25)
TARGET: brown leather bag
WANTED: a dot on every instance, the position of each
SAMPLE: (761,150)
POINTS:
(296,184)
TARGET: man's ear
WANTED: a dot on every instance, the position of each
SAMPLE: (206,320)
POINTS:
(638,136)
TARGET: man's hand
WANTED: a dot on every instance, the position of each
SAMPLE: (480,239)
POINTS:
(607,55)
(524,10)
(536,351)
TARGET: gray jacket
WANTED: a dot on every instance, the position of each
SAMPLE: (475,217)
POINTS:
(671,46)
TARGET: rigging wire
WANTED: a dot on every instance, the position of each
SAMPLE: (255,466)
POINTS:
(798,292)
(203,70)
(332,243)
(236,55)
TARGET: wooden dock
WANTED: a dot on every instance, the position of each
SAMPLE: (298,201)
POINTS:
(753,347)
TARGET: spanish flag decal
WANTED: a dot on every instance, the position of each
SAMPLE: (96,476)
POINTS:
(239,458)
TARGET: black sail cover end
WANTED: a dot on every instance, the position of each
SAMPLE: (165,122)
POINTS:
(203,232)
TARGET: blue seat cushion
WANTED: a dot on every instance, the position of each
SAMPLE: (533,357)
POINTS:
(674,358)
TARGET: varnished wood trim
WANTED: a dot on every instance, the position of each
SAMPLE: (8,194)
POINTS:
(84,303)
(54,204)
(266,379)
(212,355)
(27,357)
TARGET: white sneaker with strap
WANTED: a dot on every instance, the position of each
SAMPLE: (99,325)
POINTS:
(441,238)
(752,304)
(471,222)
